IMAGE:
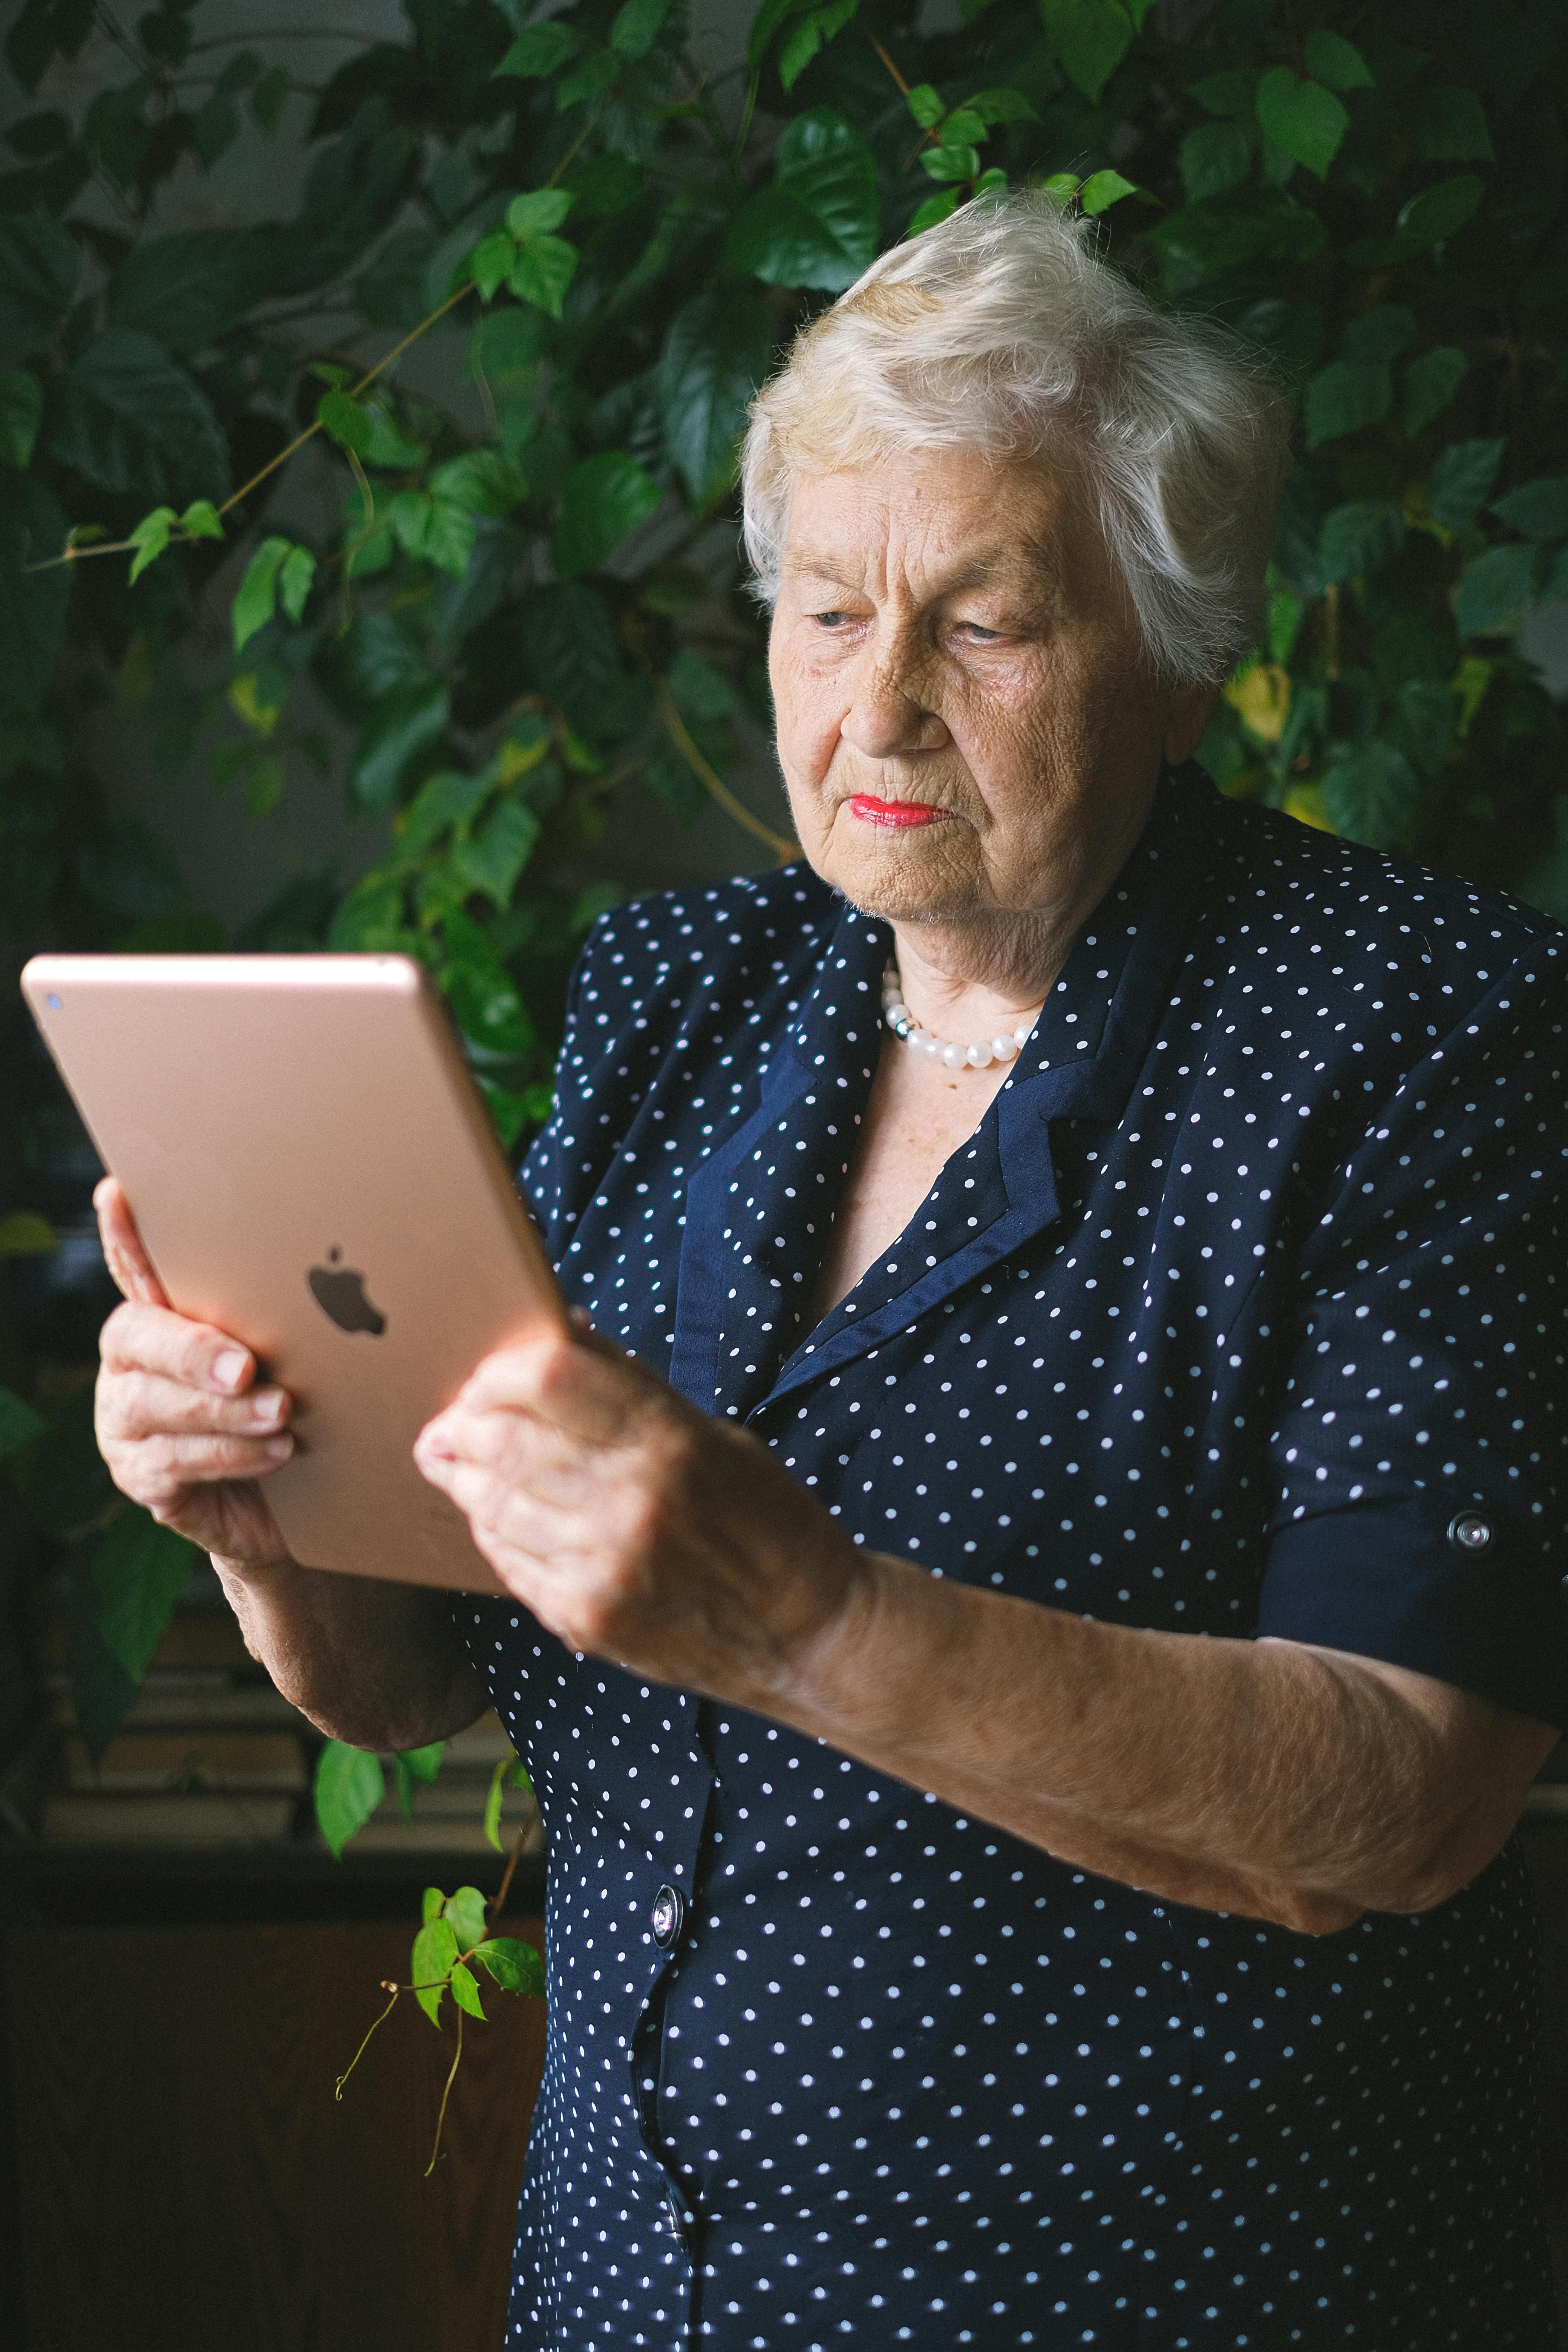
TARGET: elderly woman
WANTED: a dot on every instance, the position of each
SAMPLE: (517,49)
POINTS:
(1032,1656)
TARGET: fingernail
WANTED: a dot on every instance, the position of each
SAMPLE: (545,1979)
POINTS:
(268,1410)
(228,1369)
(280,1448)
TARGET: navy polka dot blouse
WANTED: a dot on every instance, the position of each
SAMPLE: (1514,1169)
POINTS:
(1241,1312)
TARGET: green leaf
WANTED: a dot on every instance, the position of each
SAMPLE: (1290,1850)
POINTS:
(255,599)
(1430,383)
(538,212)
(1103,189)
(435,1956)
(1356,540)
(448,798)
(39,263)
(1461,481)
(1438,213)
(490,264)
(21,413)
(406,722)
(1344,397)
(294,580)
(950,162)
(935,208)
(1494,591)
(1215,157)
(491,861)
(150,538)
(1090,37)
(715,355)
(19,1425)
(963,127)
(480,990)
(1335,61)
(264,782)
(483,481)
(542,269)
(1424,720)
(994,106)
(201,520)
(465,1910)
(136,425)
(425,1763)
(465,1991)
(1447,125)
(925,104)
(434,531)
(349,1786)
(818,226)
(191,288)
(1303,118)
(635,27)
(1379,335)
(606,185)
(347,421)
(509,1114)
(1232,92)
(1537,509)
(593,73)
(432,1903)
(493,1796)
(602,499)
(1373,795)
(811,36)
(139,1570)
(540,50)
(516,1967)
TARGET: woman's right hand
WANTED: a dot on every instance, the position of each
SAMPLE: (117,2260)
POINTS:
(184,1428)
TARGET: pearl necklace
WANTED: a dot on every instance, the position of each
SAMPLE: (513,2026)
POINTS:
(907,1029)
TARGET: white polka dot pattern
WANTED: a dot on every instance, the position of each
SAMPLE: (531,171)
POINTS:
(1244,1293)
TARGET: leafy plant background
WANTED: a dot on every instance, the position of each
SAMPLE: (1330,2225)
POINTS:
(503,561)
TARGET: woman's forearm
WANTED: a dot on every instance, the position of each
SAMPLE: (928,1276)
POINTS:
(1261,1778)
(378,1664)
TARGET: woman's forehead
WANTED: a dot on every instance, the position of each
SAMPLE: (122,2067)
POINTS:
(945,522)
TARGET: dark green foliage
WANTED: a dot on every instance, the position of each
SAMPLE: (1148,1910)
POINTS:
(505,616)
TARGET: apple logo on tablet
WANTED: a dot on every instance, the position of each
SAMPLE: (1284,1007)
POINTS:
(339,1291)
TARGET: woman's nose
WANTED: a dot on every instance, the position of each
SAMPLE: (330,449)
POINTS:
(886,714)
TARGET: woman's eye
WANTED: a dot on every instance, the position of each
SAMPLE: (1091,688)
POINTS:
(983,636)
(829,620)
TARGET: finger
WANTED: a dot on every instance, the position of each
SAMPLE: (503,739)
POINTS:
(124,1251)
(596,1396)
(160,1466)
(137,1404)
(146,1337)
(535,1456)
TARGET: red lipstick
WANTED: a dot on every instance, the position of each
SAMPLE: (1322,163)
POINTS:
(871,810)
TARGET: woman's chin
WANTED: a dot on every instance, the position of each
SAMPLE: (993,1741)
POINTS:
(904,873)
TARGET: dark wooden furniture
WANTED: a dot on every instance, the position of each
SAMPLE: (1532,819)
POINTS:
(181,2175)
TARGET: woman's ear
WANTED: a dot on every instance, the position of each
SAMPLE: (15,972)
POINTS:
(1187,715)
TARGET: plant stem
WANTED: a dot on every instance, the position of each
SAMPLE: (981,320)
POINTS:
(712,782)
(445,2096)
(499,1899)
(359,2054)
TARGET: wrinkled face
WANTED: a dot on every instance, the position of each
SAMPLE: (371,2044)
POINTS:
(967,723)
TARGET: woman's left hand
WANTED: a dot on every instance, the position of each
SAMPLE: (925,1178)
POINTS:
(636,1527)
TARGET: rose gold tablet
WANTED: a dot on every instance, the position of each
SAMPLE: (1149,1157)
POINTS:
(313,1170)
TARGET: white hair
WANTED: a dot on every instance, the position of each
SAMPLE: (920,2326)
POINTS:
(1000,329)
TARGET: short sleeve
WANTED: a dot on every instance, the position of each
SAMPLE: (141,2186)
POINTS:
(1418,1464)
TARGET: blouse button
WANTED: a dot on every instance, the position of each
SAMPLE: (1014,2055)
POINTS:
(1471,1531)
(667,1917)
